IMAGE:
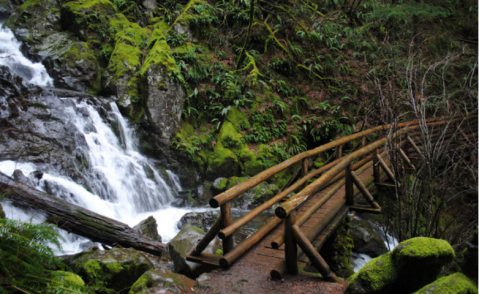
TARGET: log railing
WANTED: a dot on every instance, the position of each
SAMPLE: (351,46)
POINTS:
(342,166)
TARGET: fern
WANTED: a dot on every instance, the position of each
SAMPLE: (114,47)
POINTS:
(27,262)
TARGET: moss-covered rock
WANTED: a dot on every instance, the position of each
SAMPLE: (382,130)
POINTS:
(182,244)
(421,259)
(453,284)
(222,163)
(411,265)
(148,227)
(115,269)
(375,277)
(162,281)
(203,220)
(70,282)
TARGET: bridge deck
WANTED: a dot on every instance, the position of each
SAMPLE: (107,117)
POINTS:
(255,266)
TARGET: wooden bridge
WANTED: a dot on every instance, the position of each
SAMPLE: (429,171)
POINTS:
(308,218)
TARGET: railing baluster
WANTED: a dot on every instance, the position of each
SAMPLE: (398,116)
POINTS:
(290,250)
(376,171)
(226,221)
(349,186)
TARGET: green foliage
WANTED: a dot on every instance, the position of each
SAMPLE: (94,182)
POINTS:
(27,262)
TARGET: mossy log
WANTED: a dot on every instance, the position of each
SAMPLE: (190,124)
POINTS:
(76,219)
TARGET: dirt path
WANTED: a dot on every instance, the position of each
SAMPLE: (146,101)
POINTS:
(221,282)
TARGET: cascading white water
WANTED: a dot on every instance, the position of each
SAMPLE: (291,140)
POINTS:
(124,185)
(12,57)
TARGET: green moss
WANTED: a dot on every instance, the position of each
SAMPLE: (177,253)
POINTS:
(253,167)
(70,278)
(159,54)
(238,119)
(92,268)
(453,284)
(423,249)
(114,267)
(375,276)
(222,184)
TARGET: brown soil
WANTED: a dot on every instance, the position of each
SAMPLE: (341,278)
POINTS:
(221,282)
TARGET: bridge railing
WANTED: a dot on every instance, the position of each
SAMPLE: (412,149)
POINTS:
(224,227)
(293,235)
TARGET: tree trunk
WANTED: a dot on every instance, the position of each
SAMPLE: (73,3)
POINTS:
(76,219)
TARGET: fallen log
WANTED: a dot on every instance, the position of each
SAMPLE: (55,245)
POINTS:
(76,219)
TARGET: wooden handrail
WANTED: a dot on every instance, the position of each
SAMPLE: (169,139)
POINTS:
(286,208)
(266,174)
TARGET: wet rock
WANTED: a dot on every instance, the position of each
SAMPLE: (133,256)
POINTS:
(162,281)
(182,244)
(366,240)
(148,227)
(164,102)
(116,269)
(203,220)
(2,213)
(20,177)
(179,202)
(411,265)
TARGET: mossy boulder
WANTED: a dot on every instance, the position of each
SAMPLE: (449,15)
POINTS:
(162,281)
(222,163)
(411,265)
(421,259)
(182,244)
(115,269)
(453,284)
(377,276)
(219,185)
(148,227)
(70,282)
(203,220)
(366,239)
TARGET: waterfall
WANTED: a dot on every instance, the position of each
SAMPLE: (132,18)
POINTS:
(121,183)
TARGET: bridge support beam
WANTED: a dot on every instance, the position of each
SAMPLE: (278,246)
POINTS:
(313,255)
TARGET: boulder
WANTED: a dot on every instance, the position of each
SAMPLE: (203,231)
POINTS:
(162,281)
(165,95)
(411,265)
(455,284)
(219,185)
(148,227)
(116,269)
(69,282)
(366,240)
(203,220)
(182,244)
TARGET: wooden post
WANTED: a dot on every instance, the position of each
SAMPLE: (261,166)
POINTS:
(362,188)
(313,255)
(363,142)
(349,186)
(376,171)
(339,151)
(386,169)
(210,235)
(226,220)
(290,250)
(406,159)
(304,170)
(414,146)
